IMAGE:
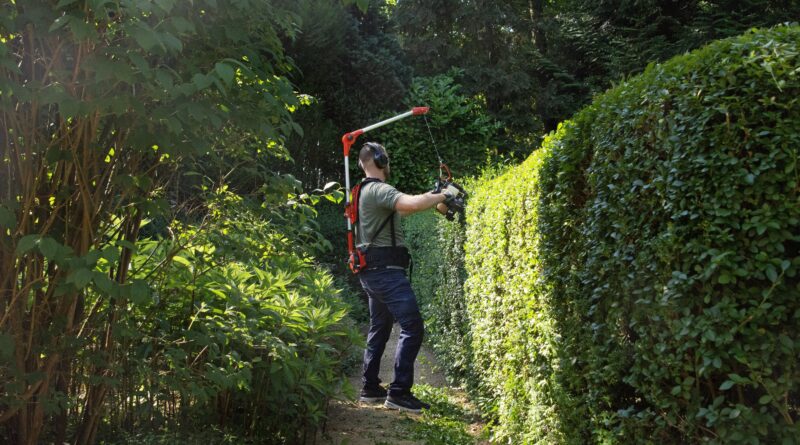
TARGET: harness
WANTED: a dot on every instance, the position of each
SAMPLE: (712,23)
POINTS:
(369,257)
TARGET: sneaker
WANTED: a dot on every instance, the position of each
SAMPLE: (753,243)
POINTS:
(405,402)
(372,394)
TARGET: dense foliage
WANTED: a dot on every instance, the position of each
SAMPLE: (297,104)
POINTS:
(438,277)
(238,328)
(154,154)
(351,69)
(537,62)
(636,279)
(127,297)
(458,129)
(529,64)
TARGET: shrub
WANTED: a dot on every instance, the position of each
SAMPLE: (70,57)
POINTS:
(459,124)
(635,280)
(242,329)
(437,277)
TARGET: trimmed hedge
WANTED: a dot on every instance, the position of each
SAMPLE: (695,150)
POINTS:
(636,279)
(438,275)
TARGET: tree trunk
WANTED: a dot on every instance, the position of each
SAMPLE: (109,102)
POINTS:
(536,8)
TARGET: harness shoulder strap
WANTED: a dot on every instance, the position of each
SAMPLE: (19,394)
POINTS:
(383,224)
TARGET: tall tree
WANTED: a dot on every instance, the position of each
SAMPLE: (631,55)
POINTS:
(98,102)
(350,69)
(547,58)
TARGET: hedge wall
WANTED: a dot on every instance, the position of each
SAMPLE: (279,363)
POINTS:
(636,279)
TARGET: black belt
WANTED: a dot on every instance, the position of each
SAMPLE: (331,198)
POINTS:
(382,257)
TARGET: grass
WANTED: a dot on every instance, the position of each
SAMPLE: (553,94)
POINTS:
(446,423)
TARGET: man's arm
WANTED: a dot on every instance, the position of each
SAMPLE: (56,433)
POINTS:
(408,204)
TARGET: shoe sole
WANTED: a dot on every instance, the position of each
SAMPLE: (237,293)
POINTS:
(371,399)
(403,409)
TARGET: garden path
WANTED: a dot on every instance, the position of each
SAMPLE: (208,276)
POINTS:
(452,420)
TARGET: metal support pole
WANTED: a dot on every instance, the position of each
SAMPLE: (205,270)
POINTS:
(347,141)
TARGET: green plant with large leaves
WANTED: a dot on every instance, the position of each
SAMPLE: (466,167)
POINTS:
(236,327)
(100,102)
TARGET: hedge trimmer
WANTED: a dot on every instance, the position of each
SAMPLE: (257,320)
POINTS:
(351,211)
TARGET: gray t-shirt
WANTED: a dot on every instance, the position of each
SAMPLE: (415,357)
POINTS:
(377,203)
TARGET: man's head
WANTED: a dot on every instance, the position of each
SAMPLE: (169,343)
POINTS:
(374,160)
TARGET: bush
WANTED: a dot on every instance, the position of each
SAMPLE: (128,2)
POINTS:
(243,329)
(229,328)
(635,280)
(437,277)
(459,124)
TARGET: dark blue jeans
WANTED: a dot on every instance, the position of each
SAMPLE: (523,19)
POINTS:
(391,298)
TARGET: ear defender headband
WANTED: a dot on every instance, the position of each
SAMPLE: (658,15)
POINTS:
(379,155)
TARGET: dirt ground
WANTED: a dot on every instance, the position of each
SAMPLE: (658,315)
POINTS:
(354,423)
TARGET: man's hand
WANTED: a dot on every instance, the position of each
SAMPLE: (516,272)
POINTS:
(450,191)
(454,199)
(447,197)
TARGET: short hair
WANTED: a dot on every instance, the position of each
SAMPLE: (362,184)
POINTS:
(367,153)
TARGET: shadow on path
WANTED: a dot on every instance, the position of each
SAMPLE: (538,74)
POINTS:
(452,419)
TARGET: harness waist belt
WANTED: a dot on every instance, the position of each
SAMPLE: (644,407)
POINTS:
(387,256)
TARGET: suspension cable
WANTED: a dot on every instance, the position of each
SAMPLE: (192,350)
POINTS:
(436,149)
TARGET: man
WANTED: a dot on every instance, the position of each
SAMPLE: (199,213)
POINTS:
(384,279)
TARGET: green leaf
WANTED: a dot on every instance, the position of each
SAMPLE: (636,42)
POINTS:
(181,260)
(49,247)
(172,43)
(69,107)
(103,282)
(182,25)
(766,398)
(7,218)
(335,197)
(81,29)
(201,81)
(140,292)
(772,274)
(80,278)
(727,384)
(738,379)
(166,5)
(60,23)
(225,72)
(26,243)
(145,37)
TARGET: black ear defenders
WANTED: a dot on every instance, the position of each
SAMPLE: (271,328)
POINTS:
(379,155)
